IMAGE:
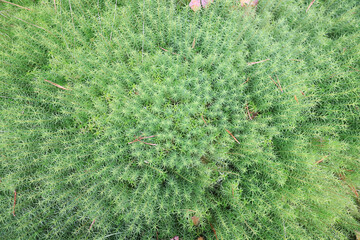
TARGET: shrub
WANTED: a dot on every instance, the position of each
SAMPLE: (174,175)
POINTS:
(230,149)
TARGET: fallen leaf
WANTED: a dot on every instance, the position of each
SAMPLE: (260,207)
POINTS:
(203,160)
(195,220)
(253,115)
(201,238)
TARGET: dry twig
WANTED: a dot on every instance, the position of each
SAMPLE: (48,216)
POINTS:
(248,112)
(276,84)
(166,50)
(56,85)
(354,69)
(252,63)
(203,119)
(321,159)
(32,24)
(279,83)
(171,52)
(138,139)
(312,2)
(232,136)
(14,203)
(214,231)
(296,99)
(92,224)
(245,81)
(353,189)
(16,5)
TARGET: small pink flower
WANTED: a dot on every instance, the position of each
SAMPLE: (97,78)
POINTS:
(206,3)
(249,2)
(175,238)
(255,2)
(196,4)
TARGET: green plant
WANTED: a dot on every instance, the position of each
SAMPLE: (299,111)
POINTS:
(255,151)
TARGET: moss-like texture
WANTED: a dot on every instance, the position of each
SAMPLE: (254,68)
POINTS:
(254,151)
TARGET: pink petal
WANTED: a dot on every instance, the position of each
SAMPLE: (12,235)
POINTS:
(195,5)
(175,238)
(243,2)
(254,2)
(249,2)
(206,3)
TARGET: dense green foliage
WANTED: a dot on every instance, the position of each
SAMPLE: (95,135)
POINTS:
(130,70)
